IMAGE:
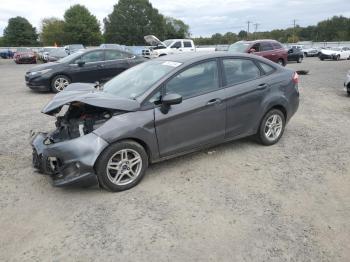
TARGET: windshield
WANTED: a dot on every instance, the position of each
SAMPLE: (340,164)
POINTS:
(168,42)
(70,57)
(58,52)
(336,49)
(238,47)
(137,80)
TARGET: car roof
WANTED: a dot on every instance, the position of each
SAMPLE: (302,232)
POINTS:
(259,40)
(192,57)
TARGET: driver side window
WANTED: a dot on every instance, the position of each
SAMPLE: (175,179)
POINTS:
(256,47)
(176,45)
(196,80)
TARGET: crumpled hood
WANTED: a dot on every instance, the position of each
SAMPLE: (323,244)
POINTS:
(86,93)
(152,40)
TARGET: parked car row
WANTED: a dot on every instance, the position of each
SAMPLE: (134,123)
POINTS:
(270,49)
(6,53)
(88,65)
(335,53)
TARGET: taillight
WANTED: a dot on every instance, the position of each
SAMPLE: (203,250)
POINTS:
(295,78)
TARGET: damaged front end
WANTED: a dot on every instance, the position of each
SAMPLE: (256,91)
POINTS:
(69,152)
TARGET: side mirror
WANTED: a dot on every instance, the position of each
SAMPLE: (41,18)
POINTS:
(168,100)
(80,63)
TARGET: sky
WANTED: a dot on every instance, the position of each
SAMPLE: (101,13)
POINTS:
(205,17)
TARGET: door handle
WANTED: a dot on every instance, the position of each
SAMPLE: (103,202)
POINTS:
(100,66)
(262,86)
(214,101)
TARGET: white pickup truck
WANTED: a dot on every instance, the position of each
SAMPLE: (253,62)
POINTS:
(170,46)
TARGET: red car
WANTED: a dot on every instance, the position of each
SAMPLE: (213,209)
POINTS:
(24,55)
(270,49)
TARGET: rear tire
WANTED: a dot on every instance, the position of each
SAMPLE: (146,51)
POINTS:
(121,166)
(271,127)
(300,59)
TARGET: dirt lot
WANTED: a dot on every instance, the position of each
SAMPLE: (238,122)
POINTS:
(236,202)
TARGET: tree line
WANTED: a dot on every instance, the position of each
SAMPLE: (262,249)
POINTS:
(130,20)
(336,28)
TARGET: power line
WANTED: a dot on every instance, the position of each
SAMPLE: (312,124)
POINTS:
(256,25)
(248,22)
(294,23)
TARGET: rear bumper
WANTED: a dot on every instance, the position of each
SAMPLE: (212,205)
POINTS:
(68,163)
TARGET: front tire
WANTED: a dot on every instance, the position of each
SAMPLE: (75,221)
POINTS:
(121,166)
(281,62)
(300,59)
(59,83)
(271,127)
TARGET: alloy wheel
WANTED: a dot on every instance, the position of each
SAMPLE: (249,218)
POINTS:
(124,167)
(61,83)
(273,127)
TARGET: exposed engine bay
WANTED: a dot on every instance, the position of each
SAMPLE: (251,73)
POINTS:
(78,119)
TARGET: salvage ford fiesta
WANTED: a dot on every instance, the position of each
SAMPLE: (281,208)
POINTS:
(108,135)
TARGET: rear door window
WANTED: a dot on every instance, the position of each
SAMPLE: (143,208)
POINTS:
(267,68)
(240,70)
(91,57)
(277,46)
(114,55)
(187,44)
(266,46)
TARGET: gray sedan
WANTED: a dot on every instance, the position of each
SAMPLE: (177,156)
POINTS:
(173,105)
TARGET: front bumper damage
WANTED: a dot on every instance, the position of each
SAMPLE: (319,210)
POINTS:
(68,162)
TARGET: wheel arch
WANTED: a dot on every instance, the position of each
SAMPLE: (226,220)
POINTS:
(132,139)
(60,74)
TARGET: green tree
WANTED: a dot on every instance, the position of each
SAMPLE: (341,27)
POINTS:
(19,32)
(176,28)
(52,31)
(131,20)
(242,34)
(81,26)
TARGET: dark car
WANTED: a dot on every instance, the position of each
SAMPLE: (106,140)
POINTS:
(71,49)
(160,109)
(6,53)
(295,54)
(54,55)
(270,49)
(24,55)
(83,66)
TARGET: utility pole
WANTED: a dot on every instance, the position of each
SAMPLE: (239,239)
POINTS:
(248,22)
(294,23)
(256,25)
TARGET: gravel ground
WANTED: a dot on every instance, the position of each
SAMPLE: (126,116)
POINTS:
(236,202)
